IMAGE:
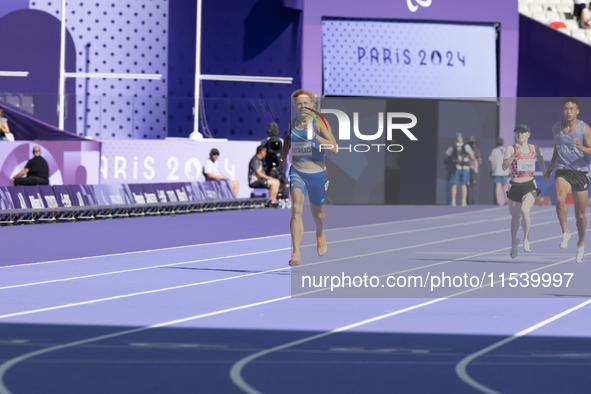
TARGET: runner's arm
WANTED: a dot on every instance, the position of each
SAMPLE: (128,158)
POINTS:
(586,149)
(286,147)
(325,138)
(540,160)
(509,157)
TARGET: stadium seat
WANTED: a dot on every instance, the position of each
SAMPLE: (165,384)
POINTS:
(525,2)
(579,34)
(552,2)
(553,16)
(524,9)
(534,7)
(571,25)
(587,32)
(564,8)
(540,16)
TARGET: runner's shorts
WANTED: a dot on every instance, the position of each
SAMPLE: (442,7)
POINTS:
(517,191)
(313,182)
(577,179)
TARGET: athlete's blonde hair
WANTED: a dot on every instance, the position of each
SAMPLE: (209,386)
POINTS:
(299,92)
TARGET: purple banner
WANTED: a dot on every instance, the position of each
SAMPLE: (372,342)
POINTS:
(153,161)
(70,162)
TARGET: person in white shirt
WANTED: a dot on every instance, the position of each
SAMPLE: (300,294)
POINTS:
(499,175)
(585,21)
(212,172)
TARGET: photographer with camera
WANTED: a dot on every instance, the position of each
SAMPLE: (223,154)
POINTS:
(274,145)
(258,179)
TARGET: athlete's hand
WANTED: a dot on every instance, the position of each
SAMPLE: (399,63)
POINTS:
(281,163)
(578,144)
(547,175)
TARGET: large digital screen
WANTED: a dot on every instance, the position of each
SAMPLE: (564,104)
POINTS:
(409,59)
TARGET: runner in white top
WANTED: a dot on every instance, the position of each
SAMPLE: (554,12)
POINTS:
(521,158)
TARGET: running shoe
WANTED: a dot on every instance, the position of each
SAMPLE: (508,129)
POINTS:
(526,247)
(514,248)
(464,203)
(580,253)
(453,203)
(296,259)
(321,245)
(564,242)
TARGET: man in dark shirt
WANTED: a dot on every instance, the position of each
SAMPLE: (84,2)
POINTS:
(37,171)
(257,179)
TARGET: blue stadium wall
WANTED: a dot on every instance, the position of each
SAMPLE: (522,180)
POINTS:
(551,64)
(247,37)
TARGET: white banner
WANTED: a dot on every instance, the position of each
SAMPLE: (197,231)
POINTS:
(154,161)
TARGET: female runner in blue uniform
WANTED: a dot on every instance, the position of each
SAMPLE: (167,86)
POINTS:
(308,171)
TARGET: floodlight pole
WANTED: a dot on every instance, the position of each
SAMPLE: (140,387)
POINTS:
(197,69)
(62,71)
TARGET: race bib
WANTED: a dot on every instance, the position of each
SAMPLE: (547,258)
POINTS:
(526,165)
(301,150)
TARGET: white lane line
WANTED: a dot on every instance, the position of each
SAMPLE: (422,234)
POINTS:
(268,271)
(461,366)
(142,268)
(143,251)
(236,370)
(232,256)
(236,240)
(8,364)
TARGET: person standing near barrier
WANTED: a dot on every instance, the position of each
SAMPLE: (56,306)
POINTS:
(308,171)
(572,159)
(498,174)
(474,165)
(457,158)
(36,170)
(521,159)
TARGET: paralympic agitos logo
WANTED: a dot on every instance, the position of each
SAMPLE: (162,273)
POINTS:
(345,129)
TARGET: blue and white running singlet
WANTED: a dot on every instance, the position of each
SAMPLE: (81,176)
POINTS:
(313,181)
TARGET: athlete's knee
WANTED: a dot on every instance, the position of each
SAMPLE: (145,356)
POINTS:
(297,211)
(318,215)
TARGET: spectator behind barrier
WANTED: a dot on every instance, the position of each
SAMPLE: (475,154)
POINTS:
(5,134)
(499,175)
(257,179)
(578,9)
(585,21)
(474,165)
(36,170)
(212,172)
(457,160)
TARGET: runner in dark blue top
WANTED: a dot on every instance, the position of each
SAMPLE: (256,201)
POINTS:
(308,171)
